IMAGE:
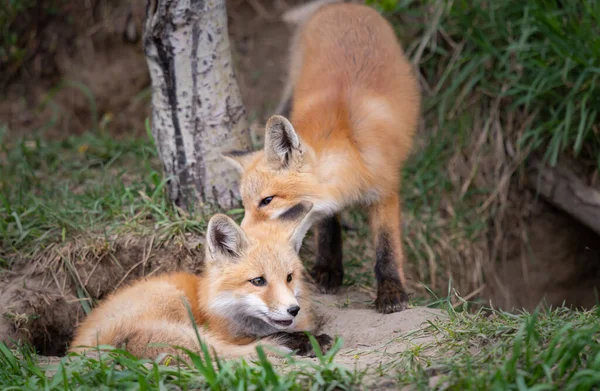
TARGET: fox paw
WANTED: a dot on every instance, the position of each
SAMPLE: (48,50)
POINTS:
(301,343)
(328,280)
(391,297)
(325,342)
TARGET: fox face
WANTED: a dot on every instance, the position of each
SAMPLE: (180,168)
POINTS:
(278,180)
(255,278)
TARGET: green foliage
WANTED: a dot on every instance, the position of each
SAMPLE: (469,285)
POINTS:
(91,184)
(383,5)
(10,11)
(540,56)
(117,369)
(556,349)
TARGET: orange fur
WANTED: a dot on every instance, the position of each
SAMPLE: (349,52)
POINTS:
(152,311)
(355,108)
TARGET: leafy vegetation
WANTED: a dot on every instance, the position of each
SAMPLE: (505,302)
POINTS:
(51,191)
(117,369)
(538,56)
(20,28)
(552,349)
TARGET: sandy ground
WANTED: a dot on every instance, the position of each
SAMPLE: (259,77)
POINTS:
(370,339)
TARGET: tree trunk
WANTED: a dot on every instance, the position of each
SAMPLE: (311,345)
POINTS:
(197,110)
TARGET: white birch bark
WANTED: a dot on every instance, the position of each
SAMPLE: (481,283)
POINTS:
(197,110)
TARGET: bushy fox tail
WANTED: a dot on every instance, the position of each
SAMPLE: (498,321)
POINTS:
(151,338)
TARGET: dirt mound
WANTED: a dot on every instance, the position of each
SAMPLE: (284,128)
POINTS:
(43,299)
(43,302)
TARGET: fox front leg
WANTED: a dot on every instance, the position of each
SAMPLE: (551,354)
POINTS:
(389,256)
(328,271)
(300,343)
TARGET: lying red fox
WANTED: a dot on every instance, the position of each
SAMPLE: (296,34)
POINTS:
(355,108)
(251,288)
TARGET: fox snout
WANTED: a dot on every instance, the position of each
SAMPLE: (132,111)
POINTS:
(287,309)
(293,310)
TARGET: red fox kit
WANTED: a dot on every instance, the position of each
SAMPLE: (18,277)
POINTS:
(251,288)
(355,108)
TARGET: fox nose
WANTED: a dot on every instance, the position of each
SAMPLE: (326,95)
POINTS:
(293,310)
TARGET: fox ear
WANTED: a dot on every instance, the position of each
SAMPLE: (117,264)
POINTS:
(240,159)
(225,239)
(296,213)
(296,216)
(282,144)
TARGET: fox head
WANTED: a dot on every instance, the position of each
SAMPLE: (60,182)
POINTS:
(255,277)
(277,180)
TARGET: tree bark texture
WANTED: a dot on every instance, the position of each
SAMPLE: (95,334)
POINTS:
(562,188)
(197,109)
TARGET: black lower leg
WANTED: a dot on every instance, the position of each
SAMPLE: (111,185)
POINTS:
(328,271)
(391,295)
(300,342)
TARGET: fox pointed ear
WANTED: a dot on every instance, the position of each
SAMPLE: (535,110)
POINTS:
(296,216)
(282,144)
(240,159)
(225,239)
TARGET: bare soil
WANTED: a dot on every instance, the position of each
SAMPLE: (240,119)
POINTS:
(86,43)
(370,338)
(549,257)
(42,299)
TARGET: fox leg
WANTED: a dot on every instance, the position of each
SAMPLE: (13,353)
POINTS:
(389,269)
(300,342)
(328,271)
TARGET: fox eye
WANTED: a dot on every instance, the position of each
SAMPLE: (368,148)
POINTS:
(289,277)
(265,201)
(258,281)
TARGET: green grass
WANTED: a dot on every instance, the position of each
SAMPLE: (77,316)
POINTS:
(551,349)
(537,58)
(90,185)
(117,369)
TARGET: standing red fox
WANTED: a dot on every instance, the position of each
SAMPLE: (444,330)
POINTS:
(251,288)
(355,108)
